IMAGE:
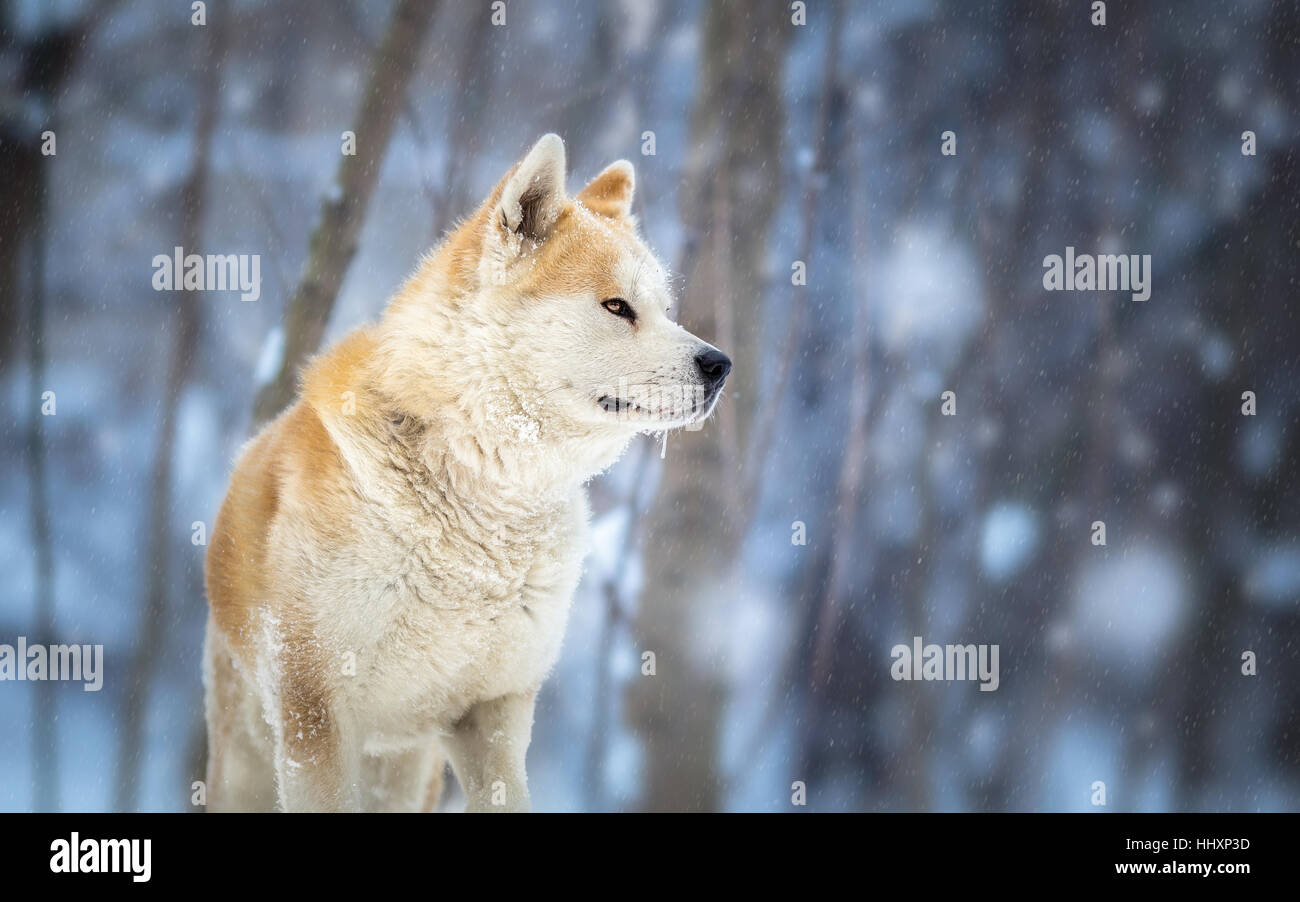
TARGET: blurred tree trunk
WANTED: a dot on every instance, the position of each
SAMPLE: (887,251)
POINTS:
(44,63)
(185,347)
(45,750)
(334,242)
(731,187)
(20,198)
(1015,111)
(465,122)
(1235,265)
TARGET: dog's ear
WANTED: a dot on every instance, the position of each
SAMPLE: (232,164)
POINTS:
(533,194)
(610,193)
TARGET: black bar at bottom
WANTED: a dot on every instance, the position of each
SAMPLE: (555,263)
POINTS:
(555,851)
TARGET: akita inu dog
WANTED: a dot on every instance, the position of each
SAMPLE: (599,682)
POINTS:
(392,567)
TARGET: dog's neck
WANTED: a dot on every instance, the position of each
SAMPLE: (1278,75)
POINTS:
(503,432)
(452,425)
(480,433)
(506,476)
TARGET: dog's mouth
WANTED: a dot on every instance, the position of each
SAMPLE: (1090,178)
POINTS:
(625,408)
(612,404)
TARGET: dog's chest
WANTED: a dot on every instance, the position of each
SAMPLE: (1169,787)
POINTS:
(455,604)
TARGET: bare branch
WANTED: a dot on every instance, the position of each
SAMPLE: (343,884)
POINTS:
(334,242)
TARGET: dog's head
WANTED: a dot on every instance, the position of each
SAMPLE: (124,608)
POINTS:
(561,314)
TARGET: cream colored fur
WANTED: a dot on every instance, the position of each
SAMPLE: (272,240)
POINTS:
(392,568)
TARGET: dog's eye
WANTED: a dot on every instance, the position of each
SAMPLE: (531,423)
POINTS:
(619,307)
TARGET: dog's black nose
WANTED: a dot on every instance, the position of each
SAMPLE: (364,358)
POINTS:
(713,366)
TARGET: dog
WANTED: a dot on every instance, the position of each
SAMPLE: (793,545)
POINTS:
(392,566)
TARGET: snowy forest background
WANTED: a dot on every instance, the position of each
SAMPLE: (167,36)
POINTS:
(773,143)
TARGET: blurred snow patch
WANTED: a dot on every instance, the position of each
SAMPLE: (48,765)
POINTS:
(1083,751)
(742,629)
(1216,356)
(1232,91)
(198,443)
(637,22)
(1259,447)
(608,533)
(1150,96)
(1129,607)
(1009,539)
(1274,580)
(983,744)
(931,293)
(623,766)
(898,439)
(268,361)
(927,384)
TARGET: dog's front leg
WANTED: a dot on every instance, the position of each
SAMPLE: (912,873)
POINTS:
(317,765)
(487,748)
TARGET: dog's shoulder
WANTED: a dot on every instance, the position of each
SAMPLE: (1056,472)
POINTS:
(337,379)
(293,466)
